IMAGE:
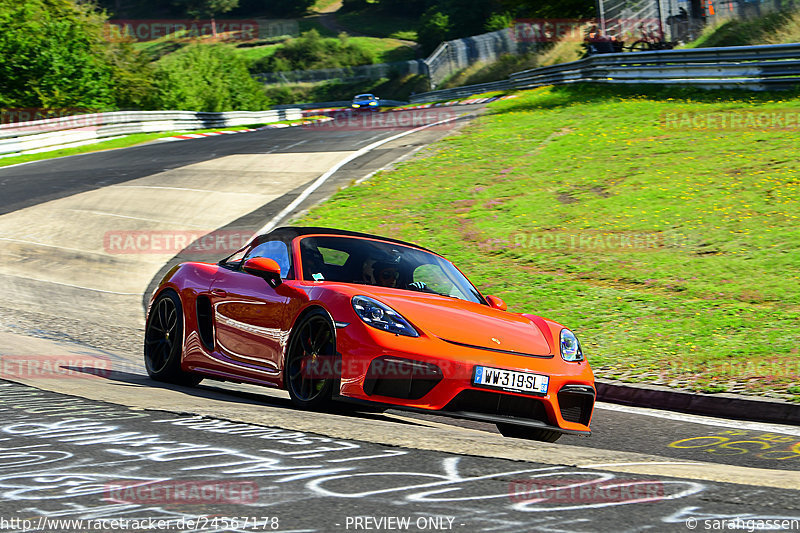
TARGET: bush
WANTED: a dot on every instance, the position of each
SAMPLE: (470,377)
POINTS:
(311,51)
(499,21)
(53,53)
(207,78)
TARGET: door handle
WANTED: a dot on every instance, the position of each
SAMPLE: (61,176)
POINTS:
(219,292)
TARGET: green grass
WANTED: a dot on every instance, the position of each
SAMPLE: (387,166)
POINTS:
(312,23)
(251,53)
(499,69)
(709,303)
(772,28)
(386,50)
(371,21)
(319,5)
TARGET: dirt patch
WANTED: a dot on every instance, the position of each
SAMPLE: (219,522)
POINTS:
(566,198)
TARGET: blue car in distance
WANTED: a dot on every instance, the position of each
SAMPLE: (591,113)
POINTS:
(365,100)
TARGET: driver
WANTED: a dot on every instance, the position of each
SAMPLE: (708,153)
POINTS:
(385,274)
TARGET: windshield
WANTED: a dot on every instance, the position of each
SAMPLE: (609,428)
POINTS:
(364,97)
(369,262)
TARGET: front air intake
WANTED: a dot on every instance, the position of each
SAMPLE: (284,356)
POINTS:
(576,403)
(401,378)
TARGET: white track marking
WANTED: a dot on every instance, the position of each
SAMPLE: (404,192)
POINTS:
(697,419)
(104,214)
(23,241)
(74,286)
(180,189)
(331,171)
(298,143)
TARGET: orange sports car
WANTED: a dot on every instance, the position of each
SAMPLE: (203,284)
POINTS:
(332,315)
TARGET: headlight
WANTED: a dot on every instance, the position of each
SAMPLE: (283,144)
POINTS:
(381,316)
(356,105)
(373,103)
(570,347)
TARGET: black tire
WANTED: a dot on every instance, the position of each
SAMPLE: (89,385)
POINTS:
(313,337)
(527,432)
(640,46)
(163,341)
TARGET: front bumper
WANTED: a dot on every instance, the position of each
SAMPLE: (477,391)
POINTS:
(428,374)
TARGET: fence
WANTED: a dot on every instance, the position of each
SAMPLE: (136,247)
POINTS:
(40,135)
(748,67)
(452,56)
(448,58)
(680,20)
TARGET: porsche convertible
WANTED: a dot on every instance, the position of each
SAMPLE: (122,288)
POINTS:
(338,316)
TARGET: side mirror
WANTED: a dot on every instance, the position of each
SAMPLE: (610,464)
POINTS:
(496,302)
(264,267)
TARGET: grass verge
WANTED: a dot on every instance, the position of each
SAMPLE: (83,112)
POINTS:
(670,250)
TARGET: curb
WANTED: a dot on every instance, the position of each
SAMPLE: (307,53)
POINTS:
(721,405)
(187,136)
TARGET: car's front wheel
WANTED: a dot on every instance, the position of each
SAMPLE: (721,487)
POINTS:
(309,369)
(527,432)
(163,341)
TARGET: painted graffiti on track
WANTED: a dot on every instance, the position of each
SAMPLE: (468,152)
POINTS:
(99,462)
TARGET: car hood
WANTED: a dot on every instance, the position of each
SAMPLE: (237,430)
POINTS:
(465,323)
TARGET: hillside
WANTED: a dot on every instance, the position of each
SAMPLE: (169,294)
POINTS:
(671,250)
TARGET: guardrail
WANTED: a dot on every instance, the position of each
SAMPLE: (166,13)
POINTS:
(747,67)
(76,130)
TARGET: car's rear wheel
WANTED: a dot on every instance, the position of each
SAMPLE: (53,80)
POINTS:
(527,432)
(309,368)
(163,341)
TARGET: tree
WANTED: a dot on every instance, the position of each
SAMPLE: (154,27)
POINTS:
(208,8)
(562,9)
(273,8)
(434,29)
(207,77)
(53,54)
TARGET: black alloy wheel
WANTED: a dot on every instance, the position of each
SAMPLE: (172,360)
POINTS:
(310,362)
(163,341)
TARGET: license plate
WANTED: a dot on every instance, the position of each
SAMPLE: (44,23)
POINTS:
(510,380)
